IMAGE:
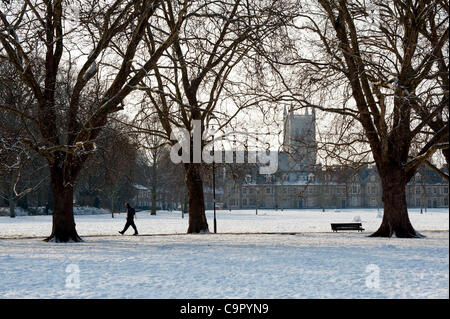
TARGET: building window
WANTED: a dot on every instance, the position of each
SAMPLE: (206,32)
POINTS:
(268,190)
(445,190)
(244,191)
(244,201)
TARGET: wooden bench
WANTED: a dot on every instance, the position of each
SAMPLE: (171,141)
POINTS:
(347,226)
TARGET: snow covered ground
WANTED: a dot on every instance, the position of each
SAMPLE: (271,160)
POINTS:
(236,221)
(312,263)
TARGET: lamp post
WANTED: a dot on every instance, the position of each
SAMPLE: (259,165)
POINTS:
(214,190)
(214,180)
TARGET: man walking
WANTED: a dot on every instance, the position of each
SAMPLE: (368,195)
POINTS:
(130,220)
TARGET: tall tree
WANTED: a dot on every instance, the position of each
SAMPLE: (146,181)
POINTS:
(152,146)
(74,38)
(19,170)
(384,63)
(117,156)
(203,76)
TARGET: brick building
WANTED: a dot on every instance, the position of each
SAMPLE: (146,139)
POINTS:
(301,183)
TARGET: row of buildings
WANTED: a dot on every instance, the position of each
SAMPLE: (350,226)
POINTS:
(343,188)
(300,183)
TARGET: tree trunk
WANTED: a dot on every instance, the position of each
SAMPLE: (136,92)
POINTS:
(395,218)
(154,181)
(12,208)
(194,184)
(50,198)
(185,204)
(111,200)
(63,229)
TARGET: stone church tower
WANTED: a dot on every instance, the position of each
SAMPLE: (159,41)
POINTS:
(300,138)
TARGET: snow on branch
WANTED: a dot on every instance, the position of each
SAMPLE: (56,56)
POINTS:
(92,70)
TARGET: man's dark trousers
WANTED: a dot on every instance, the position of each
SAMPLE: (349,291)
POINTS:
(130,222)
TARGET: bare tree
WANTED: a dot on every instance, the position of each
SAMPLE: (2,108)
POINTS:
(203,75)
(64,47)
(19,169)
(379,67)
(117,156)
(20,179)
(152,146)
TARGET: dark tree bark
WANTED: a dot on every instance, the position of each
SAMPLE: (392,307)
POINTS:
(112,207)
(194,184)
(63,229)
(12,208)
(185,204)
(154,181)
(395,218)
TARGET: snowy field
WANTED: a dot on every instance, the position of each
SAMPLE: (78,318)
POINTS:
(297,257)
(237,221)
